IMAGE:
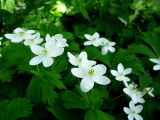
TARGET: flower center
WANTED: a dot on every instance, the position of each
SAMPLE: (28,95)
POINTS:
(91,71)
(44,52)
(94,39)
(21,33)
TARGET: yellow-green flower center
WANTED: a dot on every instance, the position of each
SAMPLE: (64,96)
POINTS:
(91,71)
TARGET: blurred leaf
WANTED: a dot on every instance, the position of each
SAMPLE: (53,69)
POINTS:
(97,115)
(15,109)
(9,5)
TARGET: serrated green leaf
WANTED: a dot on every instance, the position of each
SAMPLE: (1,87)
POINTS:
(97,115)
(15,109)
(73,100)
(41,89)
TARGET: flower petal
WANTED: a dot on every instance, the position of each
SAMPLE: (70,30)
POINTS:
(47,61)
(114,73)
(138,108)
(83,55)
(36,49)
(95,35)
(102,80)
(86,84)
(100,69)
(126,110)
(130,117)
(88,43)
(78,72)
(88,37)
(72,59)
(36,60)
(120,67)
(156,67)
(138,117)
(155,60)
(127,71)
(104,50)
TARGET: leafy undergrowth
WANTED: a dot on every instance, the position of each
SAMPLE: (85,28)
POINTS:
(81,38)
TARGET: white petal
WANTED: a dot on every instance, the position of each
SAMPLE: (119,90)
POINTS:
(104,50)
(95,35)
(102,80)
(138,117)
(130,117)
(156,67)
(88,37)
(131,105)
(155,60)
(72,59)
(47,61)
(88,43)
(100,69)
(83,55)
(92,62)
(86,84)
(55,51)
(36,60)
(9,36)
(78,72)
(114,73)
(112,43)
(138,108)
(120,67)
(111,49)
(36,49)
(127,71)
(97,43)
(48,37)
(126,110)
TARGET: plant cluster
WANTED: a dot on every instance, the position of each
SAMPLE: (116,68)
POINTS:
(79,59)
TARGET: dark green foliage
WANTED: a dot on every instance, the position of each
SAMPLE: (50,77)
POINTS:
(35,92)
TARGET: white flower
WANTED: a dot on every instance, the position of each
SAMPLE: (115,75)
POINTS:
(157,61)
(60,41)
(91,74)
(0,40)
(34,41)
(120,74)
(77,60)
(45,54)
(19,35)
(107,46)
(133,111)
(135,94)
(149,90)
(94,39)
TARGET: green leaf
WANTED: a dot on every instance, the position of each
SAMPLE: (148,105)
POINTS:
(141,49)
(55,79)
(9,5)
(41,88)
(123,56)
(15,109)
(5,75)
(73,100)
(80,6)
(97,115)
(152,39)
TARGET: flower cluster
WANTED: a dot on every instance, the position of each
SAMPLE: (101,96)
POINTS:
(53,46)
(96,41)
(132,91)
(88,71)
